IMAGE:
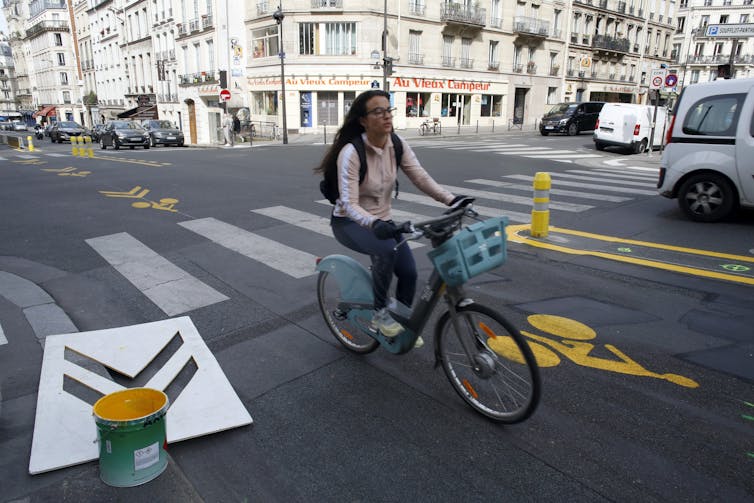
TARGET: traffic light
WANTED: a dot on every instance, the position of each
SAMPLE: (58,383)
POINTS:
(223,79)
(724,71)
(388,66)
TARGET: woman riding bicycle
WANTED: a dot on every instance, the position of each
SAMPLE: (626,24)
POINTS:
(361,218)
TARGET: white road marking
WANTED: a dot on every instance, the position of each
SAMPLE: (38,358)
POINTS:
(509,198)
(3,340)
(606,188)
(560,192)
(171,288)
(285,259)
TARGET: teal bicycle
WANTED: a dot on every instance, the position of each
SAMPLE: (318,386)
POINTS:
(486,359)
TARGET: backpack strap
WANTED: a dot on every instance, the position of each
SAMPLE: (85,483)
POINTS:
(358,144)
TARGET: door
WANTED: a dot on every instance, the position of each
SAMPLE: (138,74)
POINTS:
(192,121)
(519,105)
(327,108)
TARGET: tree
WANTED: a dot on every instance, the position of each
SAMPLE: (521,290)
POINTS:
(90,99)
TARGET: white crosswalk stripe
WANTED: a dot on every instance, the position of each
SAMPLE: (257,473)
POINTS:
(171,288)
(558,157)
(624,176)
(285,259)
(509,198)
(602,179)
(3,339)
(605,188)
(509,149)
(486,211)
(559,192)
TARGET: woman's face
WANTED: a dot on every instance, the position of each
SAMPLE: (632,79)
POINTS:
(379,116)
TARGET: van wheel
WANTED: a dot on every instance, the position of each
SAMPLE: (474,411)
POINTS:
(573,129)
(706,197)
(599,145)
(543,132)
(641,147)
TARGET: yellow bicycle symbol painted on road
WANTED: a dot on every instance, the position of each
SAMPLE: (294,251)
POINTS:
(572,346)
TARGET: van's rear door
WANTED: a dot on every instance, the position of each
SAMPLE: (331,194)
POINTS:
(745,148)
(616,123)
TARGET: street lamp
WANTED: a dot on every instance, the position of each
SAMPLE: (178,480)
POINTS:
(278,16)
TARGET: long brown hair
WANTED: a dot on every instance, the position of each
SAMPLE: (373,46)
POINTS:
(350,129)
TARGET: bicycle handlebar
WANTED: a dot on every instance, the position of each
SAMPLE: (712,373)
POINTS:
(462,208)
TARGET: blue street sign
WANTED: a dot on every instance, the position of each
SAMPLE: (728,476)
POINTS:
(671,80)
(375,84)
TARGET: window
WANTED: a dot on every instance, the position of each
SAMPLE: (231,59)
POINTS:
(265,103)
(723,19)
(58,39)
(64,78)
(552,93)
(210,56)
(744,18)
(416,104)
(61,59)
(447,50)
(307,38)
(714,115)
(465,51)
(450,104)
(492,105)
(492,56)
(264,42)
(197,57)
(415,56)
(694,76)
(681,23)
(66,96)
(340,39)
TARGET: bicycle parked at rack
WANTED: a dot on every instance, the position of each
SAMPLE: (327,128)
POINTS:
(485,358)
(430,126)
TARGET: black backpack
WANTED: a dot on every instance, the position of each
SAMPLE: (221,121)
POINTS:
(329,186)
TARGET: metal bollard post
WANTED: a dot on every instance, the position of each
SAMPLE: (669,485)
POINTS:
(325,129)
(477,127)
(31,144)
(493,126)
(540,213)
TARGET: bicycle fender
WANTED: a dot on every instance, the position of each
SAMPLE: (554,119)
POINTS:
(354,281)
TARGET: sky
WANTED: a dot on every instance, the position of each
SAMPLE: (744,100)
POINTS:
(3,24)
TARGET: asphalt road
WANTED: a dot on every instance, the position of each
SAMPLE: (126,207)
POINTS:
(647,398)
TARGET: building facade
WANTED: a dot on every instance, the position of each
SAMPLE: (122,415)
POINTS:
(696,56)
(7,77)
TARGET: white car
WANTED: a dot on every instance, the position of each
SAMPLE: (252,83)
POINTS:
(708,161)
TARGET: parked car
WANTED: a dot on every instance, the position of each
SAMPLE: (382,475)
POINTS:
(18,126)
(5,125)
(162,132)
(64,130)
(97,131)
(629,126)
(123,133)
(571,118)
(707,161)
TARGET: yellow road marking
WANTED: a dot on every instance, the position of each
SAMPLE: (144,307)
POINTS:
(513,232)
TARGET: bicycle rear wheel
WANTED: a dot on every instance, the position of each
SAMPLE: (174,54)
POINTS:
(350,334)
(501,380)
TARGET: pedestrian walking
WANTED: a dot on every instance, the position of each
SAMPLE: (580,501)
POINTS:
(237,127)
(228,130)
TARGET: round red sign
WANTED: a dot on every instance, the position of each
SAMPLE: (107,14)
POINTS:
(224,94)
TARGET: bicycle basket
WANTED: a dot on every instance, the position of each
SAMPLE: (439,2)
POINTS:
(478,248)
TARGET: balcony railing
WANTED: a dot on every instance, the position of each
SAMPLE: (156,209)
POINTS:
(194,25)
(197,78)
(457,13)
(496,22)
(621,7)
(611,43)
(206,21)
(57,25)
(531,67)
(415,59)
(554,71)
(182,29)
(531,26)
(602,4)
(467,63)
(449,62)
(493,65)
(167,98)
(518,68)
(327,4)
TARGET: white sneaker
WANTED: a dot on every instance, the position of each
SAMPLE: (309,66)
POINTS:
(385,323)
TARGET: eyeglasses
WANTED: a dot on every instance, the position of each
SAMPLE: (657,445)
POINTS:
(380,112)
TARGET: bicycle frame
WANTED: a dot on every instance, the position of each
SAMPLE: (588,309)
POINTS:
(355,284)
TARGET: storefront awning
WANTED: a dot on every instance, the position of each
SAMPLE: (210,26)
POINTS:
(45,112)
(138,113)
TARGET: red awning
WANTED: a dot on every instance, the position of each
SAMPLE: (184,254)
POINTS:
(45,112)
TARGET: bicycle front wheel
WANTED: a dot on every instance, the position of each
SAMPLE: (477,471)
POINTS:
(500,377)
(348,333)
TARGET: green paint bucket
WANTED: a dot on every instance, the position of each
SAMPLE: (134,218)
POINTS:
(132,438)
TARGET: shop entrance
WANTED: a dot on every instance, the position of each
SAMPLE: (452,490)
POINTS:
(327,108)
(519,105)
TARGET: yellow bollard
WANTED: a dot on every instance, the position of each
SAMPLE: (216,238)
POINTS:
(540,213)
(31,144)
(89,148)
(74,145)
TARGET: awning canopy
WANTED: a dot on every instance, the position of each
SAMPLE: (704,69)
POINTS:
(48,111)
(138,113)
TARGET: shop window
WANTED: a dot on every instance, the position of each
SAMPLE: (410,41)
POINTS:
(264,42)
(492,105)
(265,103)
(416,104)
(450,104)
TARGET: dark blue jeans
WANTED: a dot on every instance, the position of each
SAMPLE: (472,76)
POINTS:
(385,260)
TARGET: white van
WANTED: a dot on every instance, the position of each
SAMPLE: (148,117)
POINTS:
(708,162)
(628,125)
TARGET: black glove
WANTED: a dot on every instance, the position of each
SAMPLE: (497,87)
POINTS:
(385,229)
(459,201)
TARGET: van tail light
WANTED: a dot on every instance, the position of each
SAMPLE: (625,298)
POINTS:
(637,130)
(597,126)
(669,134)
